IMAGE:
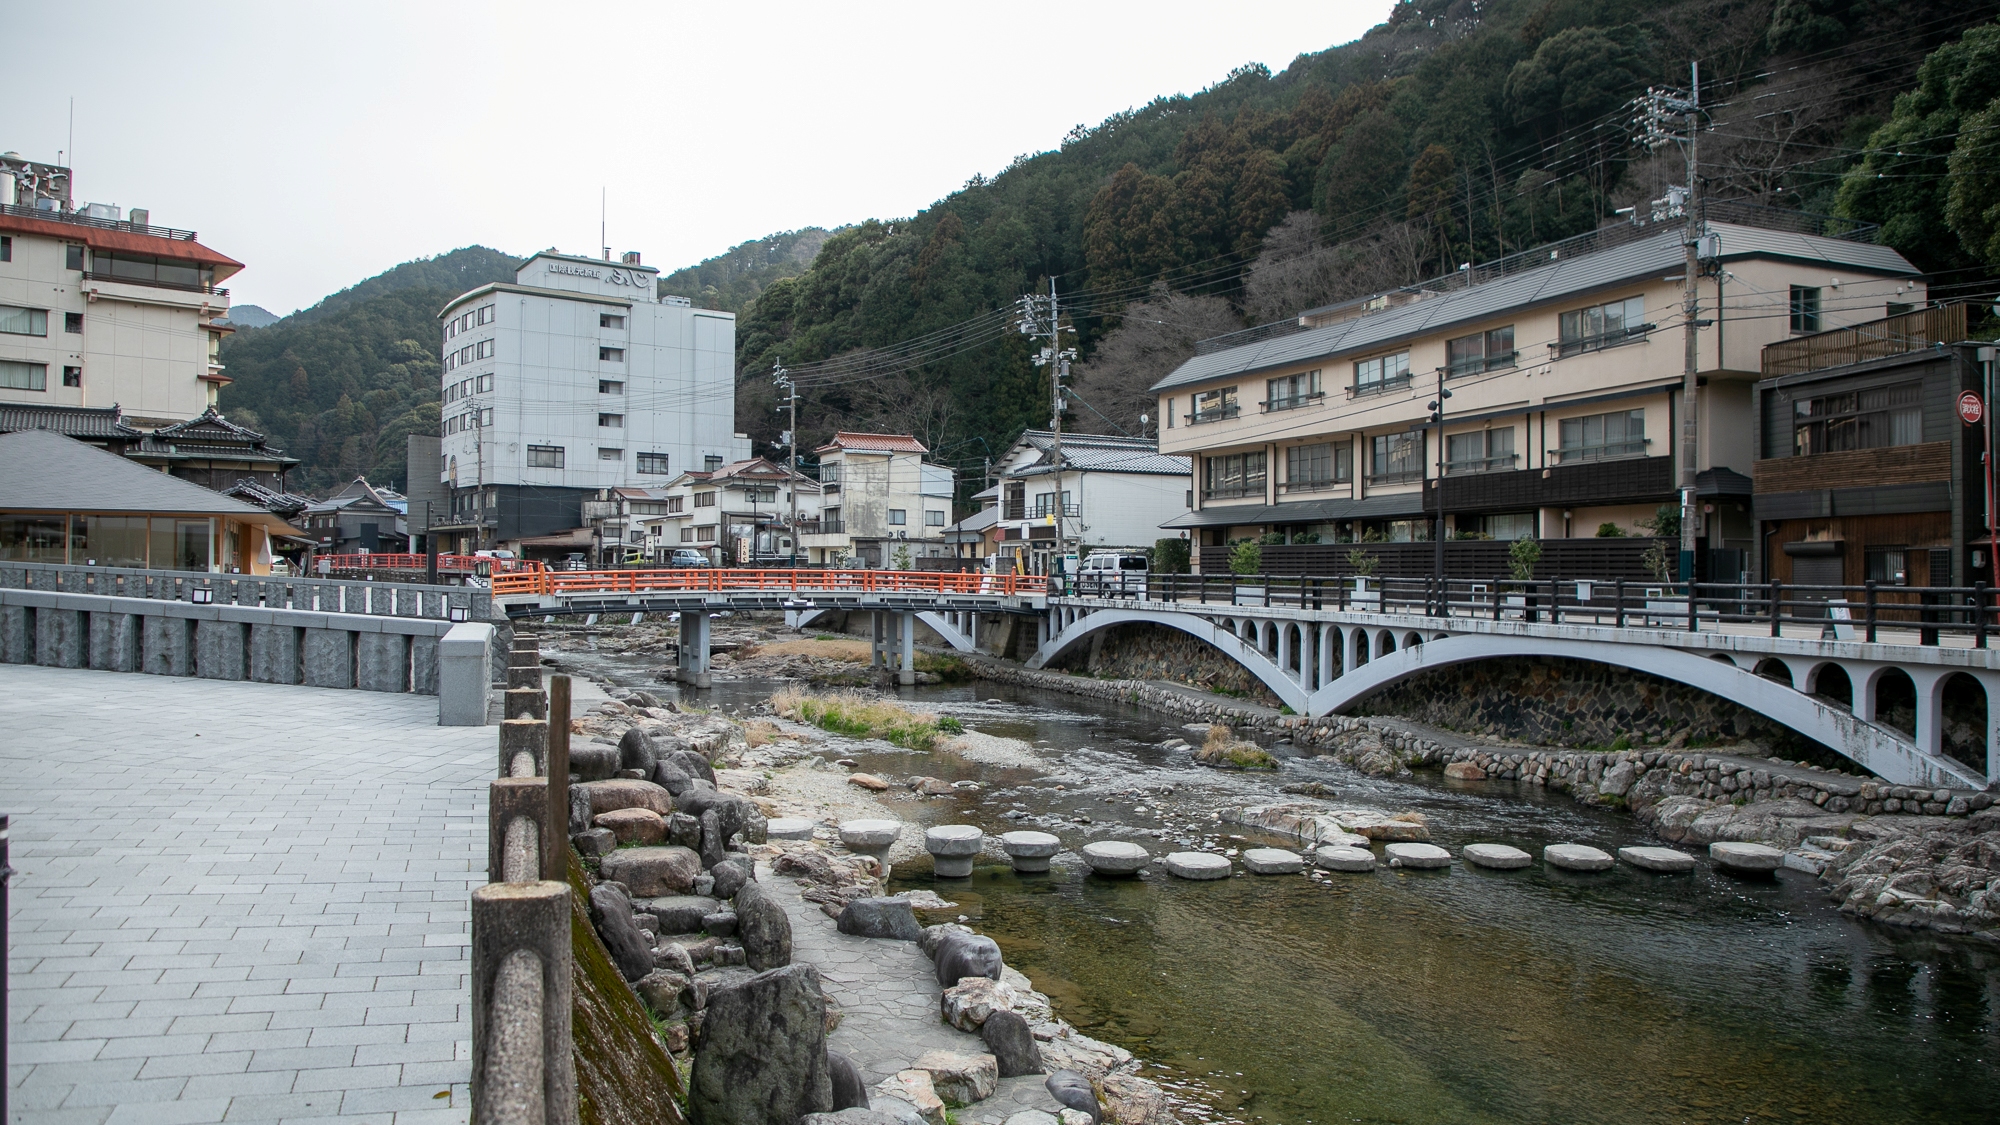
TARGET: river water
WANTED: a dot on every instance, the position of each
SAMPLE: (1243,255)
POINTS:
(1452,996)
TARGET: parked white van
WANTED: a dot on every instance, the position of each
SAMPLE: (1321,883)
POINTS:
(1112,574)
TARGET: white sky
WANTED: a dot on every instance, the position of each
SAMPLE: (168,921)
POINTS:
(321,144)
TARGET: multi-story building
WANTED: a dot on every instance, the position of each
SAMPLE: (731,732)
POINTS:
(1563,366)
(1110,492)
(740,513)
(573,379)
(99,308)
(879,496)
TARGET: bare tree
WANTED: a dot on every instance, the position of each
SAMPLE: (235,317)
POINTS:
(1298,271)
(1152,338)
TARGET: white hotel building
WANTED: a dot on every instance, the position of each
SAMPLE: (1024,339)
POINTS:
(574,379)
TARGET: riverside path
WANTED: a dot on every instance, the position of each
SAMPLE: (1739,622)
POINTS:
(237,901)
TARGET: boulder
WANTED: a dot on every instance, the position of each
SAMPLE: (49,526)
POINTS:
(671,777)
(763,928)
(625,794)
(1416,855)
(679,914)
(611,913)
(1464,771)
(880,918)
(692,763)
(720,924)
(1405,828)
(1343,858)
(1196,865)
(595,843)
(653,871)
(788,828)
(762,1055)
(1665,860)
(1499,857)
(666,992)
(1116,857)
(960,1079)
(593,761)
(635,751)
(1617,780)
(730,875)
(1074,1091)
(966,955)
(953,848)
(674,957)
(968,1004)
(1029,852)
(1012,1042)
(1752,858)
(1576,857)
(580,811)
(733,811)
(712,839)
(1273,861)
(854,1115)
(1068,1116)
(933,936)
(1132,1100)
(867,781)
(684,831)
(914,1087)
(850,1090)
(633,826)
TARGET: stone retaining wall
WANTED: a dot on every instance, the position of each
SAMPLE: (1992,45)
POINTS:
(1155,652)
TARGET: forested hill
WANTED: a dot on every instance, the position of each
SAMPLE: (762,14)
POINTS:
(1458,130)
(730,281)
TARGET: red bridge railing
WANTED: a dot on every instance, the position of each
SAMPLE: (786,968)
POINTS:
(556,583)
(447,564)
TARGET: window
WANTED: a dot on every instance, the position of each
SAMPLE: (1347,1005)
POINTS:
(6,248)
(611,421)
(23,322)
(545,457)
(1168,414)
(1888,565)
(486,416)
(73,257)
(1235,475)
(654,464)
(72,376)
(1045,505)
(1291,391)
(610,320)
(1396,457)
(1602,326)
(1805,308)
(1869,419)
(1481,351)
(1622,433)
(1381,372)
(610,386)
(450,329)
(1314,468)
(711,462)
(485,350)
(607,454)
(611,355)
(674,503)
(144,269)
(483,315)
(72,322)
(1214,406)
(1480,451)
(1509,525)
(687,535)
(933,519)
(23,376)
(485,382)
(1893,308)
(705,534)
(829,473)
(898,517)
(704,499)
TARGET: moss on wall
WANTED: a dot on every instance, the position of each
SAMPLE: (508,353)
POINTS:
(623,1075)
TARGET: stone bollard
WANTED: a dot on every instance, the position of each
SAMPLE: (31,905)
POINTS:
(522,1069)
(462,674)
(524,744)
(871,838)
(515,807)
(1029,852)
(530,677)
(1116,857)
(953,848)
(525,703)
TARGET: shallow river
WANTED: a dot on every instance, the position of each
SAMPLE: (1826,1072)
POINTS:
(1458,996)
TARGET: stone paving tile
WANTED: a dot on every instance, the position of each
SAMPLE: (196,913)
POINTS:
(227,891)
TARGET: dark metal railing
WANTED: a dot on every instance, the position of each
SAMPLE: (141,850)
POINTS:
(78,218)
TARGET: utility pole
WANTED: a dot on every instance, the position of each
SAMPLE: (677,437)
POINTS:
(1661,106)
(783,378)
(1057,358)
(1439,607)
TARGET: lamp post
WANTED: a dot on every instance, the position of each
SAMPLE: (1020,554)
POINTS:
(1438,606)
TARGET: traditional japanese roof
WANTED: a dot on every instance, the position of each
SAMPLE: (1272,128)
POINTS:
(42,471)
(1099,453)
(130,242)
(86,422)
(874,443)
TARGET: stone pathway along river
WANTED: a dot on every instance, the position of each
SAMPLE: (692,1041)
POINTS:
(1458,996)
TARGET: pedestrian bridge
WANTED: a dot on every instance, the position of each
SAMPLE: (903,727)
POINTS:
(1326,651)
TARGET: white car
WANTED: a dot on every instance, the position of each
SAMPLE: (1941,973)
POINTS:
(1112,574)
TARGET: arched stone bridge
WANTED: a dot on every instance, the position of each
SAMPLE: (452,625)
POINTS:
(1319,662)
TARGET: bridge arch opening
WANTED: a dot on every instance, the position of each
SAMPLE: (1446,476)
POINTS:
(1361,647)
(1385,643)
(1831,682)
(1723,657)
(1771,668)
(1963,714)
(1412,640)
(1896,701)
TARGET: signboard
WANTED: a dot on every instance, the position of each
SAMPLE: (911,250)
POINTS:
(1970,408)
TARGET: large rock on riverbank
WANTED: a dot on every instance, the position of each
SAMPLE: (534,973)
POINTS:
(762,1055)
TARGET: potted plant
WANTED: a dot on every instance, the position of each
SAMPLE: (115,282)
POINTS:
(1522,556)
(1246,558)
(1363,565)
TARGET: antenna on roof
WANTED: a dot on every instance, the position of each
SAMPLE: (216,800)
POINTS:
(603,241)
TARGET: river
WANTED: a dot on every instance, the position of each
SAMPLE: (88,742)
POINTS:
(1456,996)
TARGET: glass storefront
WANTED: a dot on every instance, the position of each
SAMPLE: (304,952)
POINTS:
(161,542)
(25,538)
(108,540)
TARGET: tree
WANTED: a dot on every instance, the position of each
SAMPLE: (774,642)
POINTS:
(1170,556)
(1151,339)
(1246,557)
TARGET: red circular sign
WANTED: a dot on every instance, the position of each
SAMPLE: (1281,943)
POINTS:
(1971,408)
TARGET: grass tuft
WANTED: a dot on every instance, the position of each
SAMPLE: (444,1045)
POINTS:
(857,715)
(1223,748)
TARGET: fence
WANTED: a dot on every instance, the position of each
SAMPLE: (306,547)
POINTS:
(805,581)
(446,564)
(316,595)
(1914,331)
(1606,559)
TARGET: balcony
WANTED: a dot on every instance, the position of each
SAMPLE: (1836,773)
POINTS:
(1915,331)
(1314,485)
(1253,489)
(1214,414)
(1482,464)
(1272,406)
(77,218)
(1381,386)
(822,527)
(1607,451)
(1617,339)
(1045,511)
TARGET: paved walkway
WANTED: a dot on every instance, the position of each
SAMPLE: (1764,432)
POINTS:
(237,902)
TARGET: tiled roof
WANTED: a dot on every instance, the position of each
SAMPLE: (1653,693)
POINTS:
(875,443)
(1100,453)
(70,421)
(1559,280)
(98,238)
(43,471)
(209,423)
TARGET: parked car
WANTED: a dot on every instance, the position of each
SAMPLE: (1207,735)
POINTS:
(1112,574)
(687,556)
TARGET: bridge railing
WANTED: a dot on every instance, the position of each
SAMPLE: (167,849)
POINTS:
(1873,612)
(686,580)
(446,564)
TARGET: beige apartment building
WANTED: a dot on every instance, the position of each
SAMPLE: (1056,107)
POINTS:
(879,498)
(1564,367)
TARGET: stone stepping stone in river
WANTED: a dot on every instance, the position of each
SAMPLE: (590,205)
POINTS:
(1116,857)
(1665,860)
(1499,857)
(871,837)
(1734,856)
(1197,865)
(788,828)
(1416,855)
(952,848)
(1341,857)
(1029,852)
(1576,857)
(1273,861)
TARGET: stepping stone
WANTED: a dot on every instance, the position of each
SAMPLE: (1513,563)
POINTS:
(1576,857)
(788,828)
(1500,857)
(1029,851)
(1273,861)
(1416,855)
(1745,857)
(1657,859)
(871,837)
(1196,865)
(953,847)
(1116,857)
(1341,857)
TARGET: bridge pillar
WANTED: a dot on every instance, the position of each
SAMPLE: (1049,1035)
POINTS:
(1930,709)
(1329,655)
(906,647)
(1284,653)
(693,669)
(877,641)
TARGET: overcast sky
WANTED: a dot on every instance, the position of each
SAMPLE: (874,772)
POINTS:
(321,144)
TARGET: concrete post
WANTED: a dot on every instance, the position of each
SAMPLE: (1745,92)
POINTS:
(1284,647)
(1930,709)
(462,655)
(906,643)
(514,855)
(694,648)
(424,664)
(525,678)
(525,703)
(329,658)
(522,1069)
(274,654)
(167,646)
(524,745)
(222,650)
(876,628)
(17,634)
(382,662)
(114,642)
(59,638)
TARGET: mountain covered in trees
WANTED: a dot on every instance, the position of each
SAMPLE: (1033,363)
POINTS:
(1457,131)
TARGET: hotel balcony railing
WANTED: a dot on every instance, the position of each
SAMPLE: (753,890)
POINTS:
(78,218)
